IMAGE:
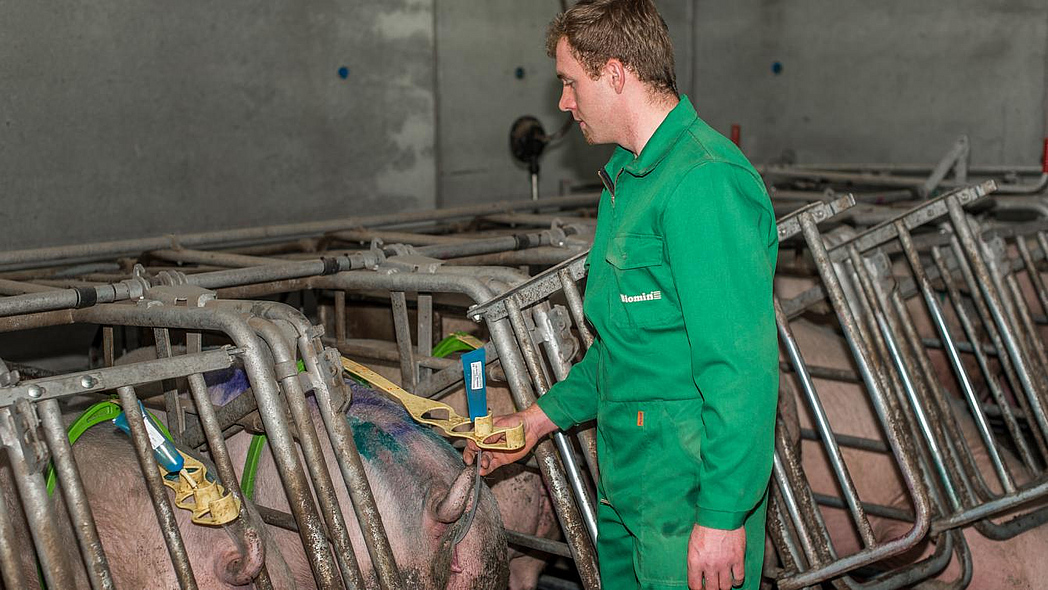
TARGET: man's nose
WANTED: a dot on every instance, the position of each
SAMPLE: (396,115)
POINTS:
(567,100)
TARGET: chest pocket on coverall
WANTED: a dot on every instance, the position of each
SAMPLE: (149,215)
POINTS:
(641,276)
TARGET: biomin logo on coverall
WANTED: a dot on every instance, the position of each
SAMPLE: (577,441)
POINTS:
(650,296)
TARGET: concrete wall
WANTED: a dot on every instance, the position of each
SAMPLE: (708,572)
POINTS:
(125,119)
(889,81)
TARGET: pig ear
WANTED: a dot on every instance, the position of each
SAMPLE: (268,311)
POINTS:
(450,508)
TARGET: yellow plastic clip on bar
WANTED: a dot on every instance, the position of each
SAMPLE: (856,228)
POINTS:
(208,501)
(420,409)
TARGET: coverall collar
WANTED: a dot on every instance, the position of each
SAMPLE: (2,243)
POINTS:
(662,141)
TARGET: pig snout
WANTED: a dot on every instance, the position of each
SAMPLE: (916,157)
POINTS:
(238,566)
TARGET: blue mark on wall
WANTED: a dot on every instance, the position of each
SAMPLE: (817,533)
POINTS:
(776,68)
(343,72)
(519,73)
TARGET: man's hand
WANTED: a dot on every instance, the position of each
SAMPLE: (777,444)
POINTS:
(536,426)
(718,556)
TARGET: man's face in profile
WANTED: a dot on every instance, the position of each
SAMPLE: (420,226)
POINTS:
(582,96)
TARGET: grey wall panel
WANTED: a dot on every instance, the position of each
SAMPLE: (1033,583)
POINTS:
(877,81)
(125,119)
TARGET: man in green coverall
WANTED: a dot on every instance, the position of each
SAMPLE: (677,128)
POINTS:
(682,377)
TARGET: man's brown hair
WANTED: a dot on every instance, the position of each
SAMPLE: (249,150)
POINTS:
(631,31)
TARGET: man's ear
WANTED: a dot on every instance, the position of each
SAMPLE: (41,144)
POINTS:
(616,75)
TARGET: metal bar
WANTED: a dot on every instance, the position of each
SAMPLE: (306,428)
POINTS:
(915,217)
(1031,271)
(477,247)
(340,316)
(991,378)
(1021,311)
(108,354)
(39,509)
(17,259)
(352,469)
(425,332)
(571,293)
(927,422)
(157,492)
(853,442)
(10,555)
(1011,372)
(967,389)
(537,220)
(789,225)
(575,531)
(324,378)
(366,236)
(98,380)
(538,288)
(408,367)
(988,509)
(542,544)
(822,425)
(172,401)
(383,350)
(868,507)
(212,258)
(919,169)
(993,300)
(79,509)
(560,362)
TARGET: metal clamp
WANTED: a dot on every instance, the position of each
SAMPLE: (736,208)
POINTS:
(22,431)
(180,294)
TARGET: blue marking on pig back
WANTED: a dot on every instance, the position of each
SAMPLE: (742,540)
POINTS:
(377,413)
(226,384)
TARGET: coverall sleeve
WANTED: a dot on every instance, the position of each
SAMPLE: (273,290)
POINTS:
(574,400)
(721,242)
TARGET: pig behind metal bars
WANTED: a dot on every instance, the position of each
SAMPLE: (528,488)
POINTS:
(422,489)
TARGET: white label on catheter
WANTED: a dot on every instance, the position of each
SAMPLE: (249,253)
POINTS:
(476,375)
(155,438)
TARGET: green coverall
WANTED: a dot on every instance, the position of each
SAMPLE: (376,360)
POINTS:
(683,375)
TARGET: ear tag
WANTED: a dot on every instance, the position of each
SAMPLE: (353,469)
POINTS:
(476,388)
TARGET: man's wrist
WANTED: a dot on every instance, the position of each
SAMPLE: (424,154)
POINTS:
(724,520)
(538,423)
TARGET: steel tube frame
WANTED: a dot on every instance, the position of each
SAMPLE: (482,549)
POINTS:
(325,376)
(1018,439)
(473,287)
(17,259)
(263,382)
(309,442)
(542,385)
(38,508)
(10,559)
(897,441)
(560,363)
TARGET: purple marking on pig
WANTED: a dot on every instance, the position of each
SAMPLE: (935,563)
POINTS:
(226,384)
